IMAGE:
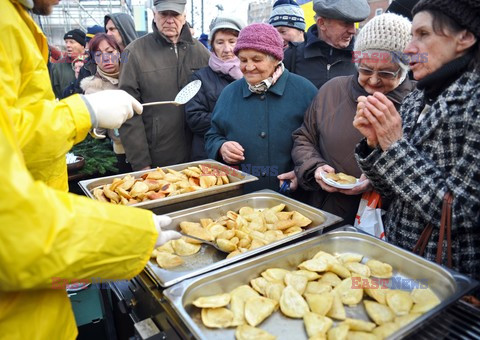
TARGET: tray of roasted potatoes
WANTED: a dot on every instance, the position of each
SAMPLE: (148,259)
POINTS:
(340,285)
(164,186)
(241,226)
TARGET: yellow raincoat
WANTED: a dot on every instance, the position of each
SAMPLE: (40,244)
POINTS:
(45,232)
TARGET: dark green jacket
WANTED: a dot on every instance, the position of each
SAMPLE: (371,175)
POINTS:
(151,71)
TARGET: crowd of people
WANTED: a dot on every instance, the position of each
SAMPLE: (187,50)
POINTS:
(395,105)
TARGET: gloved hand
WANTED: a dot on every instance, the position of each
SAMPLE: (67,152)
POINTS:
(164,236)
(109,109)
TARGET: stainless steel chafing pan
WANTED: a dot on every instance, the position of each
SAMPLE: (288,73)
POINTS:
(209,258)
(168,204)
(448,285)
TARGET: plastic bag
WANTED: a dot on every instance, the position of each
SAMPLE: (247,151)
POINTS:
(369,215)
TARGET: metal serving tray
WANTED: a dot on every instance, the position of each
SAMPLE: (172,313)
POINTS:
(168,204)
(208,258)
(448,285)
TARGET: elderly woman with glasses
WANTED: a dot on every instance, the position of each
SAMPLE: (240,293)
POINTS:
(325,143)
(431,147)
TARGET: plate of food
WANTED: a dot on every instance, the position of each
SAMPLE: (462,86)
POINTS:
(340,180)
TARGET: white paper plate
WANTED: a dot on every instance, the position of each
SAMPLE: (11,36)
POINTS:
(332,183)
(78,286)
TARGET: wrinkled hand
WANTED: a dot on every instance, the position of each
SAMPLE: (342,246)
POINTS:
(232,152)
(292,177)
(359,189)
(162,221)
(363,125)
(382,115)
(324,169)
(111,108)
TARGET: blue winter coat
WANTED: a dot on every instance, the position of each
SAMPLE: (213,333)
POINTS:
(262,124)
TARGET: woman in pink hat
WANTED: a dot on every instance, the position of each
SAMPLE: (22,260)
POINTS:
(255,116)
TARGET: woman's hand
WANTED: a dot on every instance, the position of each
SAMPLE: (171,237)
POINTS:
(363,125)
(289,176)
(232,152)
(382,115)
(359,189)
(324,169)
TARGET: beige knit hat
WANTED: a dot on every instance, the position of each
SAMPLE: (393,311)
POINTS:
(385,32)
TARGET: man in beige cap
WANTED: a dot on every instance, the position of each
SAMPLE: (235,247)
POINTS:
(327,51)
(157,66)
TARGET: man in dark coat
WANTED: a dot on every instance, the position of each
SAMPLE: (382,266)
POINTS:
(327,51)
(157,66)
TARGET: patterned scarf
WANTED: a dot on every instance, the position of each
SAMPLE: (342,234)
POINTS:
(111,77)
(264,85)
(229,67)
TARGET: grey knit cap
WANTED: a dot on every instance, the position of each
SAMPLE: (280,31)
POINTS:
(230,22)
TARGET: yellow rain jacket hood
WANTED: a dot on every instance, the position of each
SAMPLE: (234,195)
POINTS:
(47,234)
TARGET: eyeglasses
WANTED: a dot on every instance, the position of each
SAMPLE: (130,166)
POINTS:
(382,74)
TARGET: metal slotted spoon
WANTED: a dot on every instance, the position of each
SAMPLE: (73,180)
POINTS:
(212,244)
(185,94)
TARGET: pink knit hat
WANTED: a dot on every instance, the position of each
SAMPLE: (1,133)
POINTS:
(260,37)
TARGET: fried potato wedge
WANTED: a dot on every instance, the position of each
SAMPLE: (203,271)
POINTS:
(167,260)
(320,303)
(380,269)
(337,311)
(380,314)
(217,317)
(315,287)
(212,301)
(237,303)
(258,309)
(385,330)
(275,274)
(314,265)
(311,276)
(424,299)
(356,335)
(298,282)
(330,279)
(348,295)
(358,268)
(359,325)
(316,324)
(338,333)
(292,303)
(246,332)
(184,248)
(349,257)
(274,290)
(399,301)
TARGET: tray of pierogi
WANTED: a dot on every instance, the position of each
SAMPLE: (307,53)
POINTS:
(169,188)
(241,227)
(341,285)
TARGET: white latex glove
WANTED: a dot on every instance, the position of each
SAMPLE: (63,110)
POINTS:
(109,109)
(164,236)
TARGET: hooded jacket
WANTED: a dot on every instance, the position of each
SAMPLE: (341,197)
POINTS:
(317,61)
(48,236)
(327,136)
(155,69)
(125,26)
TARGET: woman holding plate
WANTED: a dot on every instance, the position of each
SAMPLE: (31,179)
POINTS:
(325,142)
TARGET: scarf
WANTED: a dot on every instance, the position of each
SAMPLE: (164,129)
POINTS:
(264,85)
(435,83)
(111,77)
(229,67)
